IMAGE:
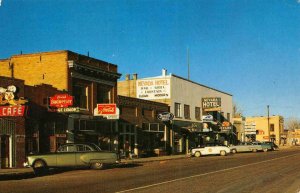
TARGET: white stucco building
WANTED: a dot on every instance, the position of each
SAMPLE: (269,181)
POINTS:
(189,102)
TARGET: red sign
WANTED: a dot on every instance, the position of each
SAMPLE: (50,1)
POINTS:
(12,111)
(107,109)
(61,100)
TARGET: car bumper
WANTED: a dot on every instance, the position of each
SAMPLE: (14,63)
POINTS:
(26,165)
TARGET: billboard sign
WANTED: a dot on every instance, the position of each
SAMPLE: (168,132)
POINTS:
(207,118)
(153,89)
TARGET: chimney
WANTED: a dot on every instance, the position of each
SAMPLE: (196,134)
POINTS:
(127,77)
(135,76)
(164,72)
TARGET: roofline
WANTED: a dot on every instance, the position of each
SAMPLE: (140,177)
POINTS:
(52,52)
(200,84)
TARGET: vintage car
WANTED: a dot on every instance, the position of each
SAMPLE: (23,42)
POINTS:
(72,155)
(248,147)
(265,146)
(210,150)
(272,144)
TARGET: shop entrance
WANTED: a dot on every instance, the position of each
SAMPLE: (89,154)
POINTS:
(4,154)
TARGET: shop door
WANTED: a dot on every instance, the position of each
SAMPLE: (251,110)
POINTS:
(4,151)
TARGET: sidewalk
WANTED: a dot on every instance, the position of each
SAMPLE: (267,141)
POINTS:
(21,173)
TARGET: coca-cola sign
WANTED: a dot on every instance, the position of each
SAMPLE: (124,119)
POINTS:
(106,109)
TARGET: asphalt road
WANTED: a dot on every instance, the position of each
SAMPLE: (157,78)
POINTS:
(277,171)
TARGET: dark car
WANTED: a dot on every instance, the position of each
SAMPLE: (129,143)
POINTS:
(272,144)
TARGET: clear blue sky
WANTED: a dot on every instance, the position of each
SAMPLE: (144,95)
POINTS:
(249,48)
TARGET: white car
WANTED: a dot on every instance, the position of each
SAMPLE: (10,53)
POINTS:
(210,150)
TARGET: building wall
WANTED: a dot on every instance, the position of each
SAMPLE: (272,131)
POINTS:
(182,91)
(190,93)
(40,68)
(262,127)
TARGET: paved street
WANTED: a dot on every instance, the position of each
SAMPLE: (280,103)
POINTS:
(276,171)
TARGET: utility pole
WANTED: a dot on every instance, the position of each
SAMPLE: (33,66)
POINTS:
(268,108)
(188,62)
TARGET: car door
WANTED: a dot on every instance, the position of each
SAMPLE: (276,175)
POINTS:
(83,154)
(66,156)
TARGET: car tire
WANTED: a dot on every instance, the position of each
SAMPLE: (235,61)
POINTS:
(222,153)
(39,167)
(254,150)
(234,151)
(197,154)
(97,165)
(265,149)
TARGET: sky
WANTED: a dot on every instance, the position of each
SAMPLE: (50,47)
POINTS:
(248,48)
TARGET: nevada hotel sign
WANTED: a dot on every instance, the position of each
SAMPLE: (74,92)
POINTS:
(211,104)
(153,89)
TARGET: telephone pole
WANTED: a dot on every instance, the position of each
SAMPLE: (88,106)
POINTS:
(188,62)
(268,108)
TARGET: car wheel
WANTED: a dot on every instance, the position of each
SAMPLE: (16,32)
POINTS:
(40,167)
(197,154)
(234,151)
(97,165)
(222,153)
(254,150)
(265,149)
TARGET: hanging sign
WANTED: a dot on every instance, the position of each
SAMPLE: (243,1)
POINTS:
(108,111)
(166,116)
(61,101)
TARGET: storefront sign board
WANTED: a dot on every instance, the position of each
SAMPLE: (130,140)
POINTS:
(211,104)
(12,111)
(61,100)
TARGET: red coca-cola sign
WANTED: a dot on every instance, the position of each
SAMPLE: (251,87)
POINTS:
(107,109)
(12,111)
(61,100)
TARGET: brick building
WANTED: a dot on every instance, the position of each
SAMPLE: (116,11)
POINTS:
(41,76)
(139,128)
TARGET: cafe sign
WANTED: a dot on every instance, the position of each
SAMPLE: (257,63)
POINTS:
(211,104)
(61,101)
(12,111)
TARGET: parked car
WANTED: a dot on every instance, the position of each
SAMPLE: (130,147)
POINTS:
(271,145)
(246,147)
(210,150)
(72,155)
(264,147)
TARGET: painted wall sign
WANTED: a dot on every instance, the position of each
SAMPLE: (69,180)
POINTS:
(12,111)
(153,89)
(61,100)
(211,104)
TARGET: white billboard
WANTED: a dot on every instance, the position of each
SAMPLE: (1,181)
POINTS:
(153,89)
